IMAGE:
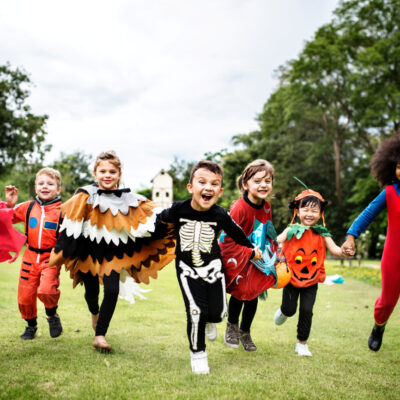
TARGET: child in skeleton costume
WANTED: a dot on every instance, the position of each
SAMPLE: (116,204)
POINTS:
(198,222)
(244,281)
(304,246)
(107,232)
(385,167)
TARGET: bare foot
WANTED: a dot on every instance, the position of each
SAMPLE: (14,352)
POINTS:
(95,317)
(100,343)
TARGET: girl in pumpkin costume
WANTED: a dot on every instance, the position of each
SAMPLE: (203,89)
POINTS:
(304,246)
(108,232)
(385,167)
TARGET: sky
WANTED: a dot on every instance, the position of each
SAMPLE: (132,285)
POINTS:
(153,80)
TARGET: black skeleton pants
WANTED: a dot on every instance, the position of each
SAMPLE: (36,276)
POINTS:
(111,291)
(307,299)
(204,302)
(249,311)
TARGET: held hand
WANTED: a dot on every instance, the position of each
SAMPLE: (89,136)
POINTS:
(257,254)
(349,246)
(11,196)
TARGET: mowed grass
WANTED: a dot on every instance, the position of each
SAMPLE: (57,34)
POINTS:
(151,358)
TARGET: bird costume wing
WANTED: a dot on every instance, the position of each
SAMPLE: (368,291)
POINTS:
(104,231)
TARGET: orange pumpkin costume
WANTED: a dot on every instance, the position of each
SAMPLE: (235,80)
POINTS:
(305,252)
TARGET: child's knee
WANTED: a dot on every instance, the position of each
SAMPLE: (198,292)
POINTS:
(288,311)
(214,316)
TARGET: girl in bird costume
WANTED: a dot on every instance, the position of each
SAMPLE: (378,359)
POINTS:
(109,233)
(304,246)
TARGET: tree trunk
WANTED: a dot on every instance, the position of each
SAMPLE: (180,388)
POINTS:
(336,151)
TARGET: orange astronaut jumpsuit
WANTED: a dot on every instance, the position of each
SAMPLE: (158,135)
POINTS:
(37,279)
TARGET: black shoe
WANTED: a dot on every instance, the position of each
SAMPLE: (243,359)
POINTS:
(375,339)
(55,326)
(29,333)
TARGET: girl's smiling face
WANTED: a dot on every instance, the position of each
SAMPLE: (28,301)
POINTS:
(258,187)
(107,175)
(397,172)
(309,214)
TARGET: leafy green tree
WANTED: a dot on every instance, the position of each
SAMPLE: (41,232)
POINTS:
(22,134)
(75,172)
(370,30)
(180,173)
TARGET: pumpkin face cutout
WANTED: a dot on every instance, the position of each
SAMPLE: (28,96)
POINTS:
(305,256)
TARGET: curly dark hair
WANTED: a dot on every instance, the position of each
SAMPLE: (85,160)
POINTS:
(385,159)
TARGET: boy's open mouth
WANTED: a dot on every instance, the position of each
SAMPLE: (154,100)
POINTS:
(206,197)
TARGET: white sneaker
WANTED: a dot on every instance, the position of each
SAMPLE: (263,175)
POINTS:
(302,350)
(279,318)
(211,331)
(199,362)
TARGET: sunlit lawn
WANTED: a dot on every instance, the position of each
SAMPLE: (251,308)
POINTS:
(151,358)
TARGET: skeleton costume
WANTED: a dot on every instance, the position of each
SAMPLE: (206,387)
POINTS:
(198,264)
(106,232)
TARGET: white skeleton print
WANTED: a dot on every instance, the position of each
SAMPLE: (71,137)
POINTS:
(196,236)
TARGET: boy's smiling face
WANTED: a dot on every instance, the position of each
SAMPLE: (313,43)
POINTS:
(46,187)
(206,189)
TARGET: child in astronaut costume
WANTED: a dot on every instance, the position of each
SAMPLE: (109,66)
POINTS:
(198,222)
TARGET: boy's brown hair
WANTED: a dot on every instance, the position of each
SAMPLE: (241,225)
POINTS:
(206,164)
(251,169)
(52,173)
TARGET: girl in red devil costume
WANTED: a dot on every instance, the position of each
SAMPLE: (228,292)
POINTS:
(304,246)
(385,167)
(244,281)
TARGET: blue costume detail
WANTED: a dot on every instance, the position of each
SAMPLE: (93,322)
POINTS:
(370,212)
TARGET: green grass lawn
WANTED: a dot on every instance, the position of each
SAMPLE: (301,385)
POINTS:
(151,358)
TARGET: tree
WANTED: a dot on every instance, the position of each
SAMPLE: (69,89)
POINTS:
(370,29)
(22,134)
(180,173)
(75,172)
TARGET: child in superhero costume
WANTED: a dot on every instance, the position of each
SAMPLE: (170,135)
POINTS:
(108,232)
(304,246)
(37,279)
(244,281)
(11,241)
(198,222)
(385,167)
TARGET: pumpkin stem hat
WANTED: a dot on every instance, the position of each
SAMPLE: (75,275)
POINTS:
(304,194)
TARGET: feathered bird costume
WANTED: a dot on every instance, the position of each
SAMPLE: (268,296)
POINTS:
(106,230)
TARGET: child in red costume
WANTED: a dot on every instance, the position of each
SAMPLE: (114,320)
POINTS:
(244,281)
(385,166)
(37,280)
(10,239)
(304,246)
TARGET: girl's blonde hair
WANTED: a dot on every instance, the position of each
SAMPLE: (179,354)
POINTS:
(111,157)
(52,173)
(251,169)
